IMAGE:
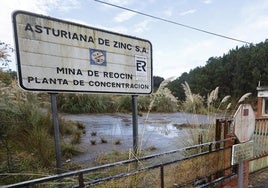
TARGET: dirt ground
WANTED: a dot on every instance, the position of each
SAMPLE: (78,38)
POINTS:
(259,179)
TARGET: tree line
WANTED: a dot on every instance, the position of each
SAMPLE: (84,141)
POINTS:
(235,73)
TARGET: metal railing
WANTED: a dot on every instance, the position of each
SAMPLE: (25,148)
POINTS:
(260,137)
(167,163)
(159,165)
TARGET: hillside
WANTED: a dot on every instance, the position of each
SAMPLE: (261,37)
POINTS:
(236,73)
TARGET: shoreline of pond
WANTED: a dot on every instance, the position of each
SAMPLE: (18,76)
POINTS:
(158,133)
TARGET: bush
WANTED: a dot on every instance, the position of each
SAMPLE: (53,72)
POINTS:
(144,103)
(69,150)
(26,134)
(84,103)
(125,104)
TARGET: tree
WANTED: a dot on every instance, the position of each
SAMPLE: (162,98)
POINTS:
(5,50)
(235,73)
(176,86)
(157,81)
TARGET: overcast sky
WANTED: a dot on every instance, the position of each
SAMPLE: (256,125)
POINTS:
(176,49)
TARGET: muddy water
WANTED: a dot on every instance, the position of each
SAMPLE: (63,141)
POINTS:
(164,132)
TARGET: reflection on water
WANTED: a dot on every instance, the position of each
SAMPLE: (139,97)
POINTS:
(163,131)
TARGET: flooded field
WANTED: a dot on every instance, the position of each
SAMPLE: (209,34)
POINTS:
(108,132)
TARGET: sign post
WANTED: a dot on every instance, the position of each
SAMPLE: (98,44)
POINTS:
(58,56)
(244,125)
(56,131)
(135,124)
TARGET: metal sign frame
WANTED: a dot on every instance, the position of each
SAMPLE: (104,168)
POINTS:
(242,152)
(55,55)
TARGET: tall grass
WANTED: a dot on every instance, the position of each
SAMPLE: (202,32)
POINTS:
(213,107)
(26,130)
(26,134)
(198,132)
(162,100)
(84,103)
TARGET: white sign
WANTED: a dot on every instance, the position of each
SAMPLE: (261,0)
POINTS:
(59,56)
(262,91)
(242,152)
(244,122)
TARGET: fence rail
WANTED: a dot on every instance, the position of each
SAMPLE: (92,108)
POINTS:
(161,166)
(163,169)
(260,137)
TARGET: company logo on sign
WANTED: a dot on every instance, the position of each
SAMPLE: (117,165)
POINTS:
(141,70)
(97,57)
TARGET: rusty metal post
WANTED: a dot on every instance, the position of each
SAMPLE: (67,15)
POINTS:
(135,124)
(210,147)
(162,176)
(218,133)
(81,180)
(56,131)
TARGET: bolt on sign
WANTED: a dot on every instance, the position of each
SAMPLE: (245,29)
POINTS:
(244,122)
(59,56)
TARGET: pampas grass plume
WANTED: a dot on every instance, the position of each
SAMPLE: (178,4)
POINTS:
(228,106)
(225,98)
(242,99)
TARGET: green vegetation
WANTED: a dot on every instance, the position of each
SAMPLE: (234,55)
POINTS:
(198,132)
(235,73)
(85,103)
(26,135)
(104,141)
(26,129)
(117,142)
(7,77)
(196,104)
(111,157)
(93,142)
(5,50)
